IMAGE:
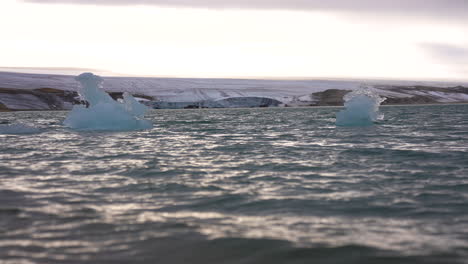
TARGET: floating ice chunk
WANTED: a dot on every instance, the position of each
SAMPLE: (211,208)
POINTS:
(133,106)
(361,108)
(104,113)
(18,129)
(91,89)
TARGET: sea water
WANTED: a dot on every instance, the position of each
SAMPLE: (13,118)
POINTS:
(282,185)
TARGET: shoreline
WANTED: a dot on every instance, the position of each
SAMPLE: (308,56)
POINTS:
(281,107)
(51,99)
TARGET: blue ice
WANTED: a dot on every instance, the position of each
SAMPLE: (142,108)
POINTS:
(103,112)
(361,108)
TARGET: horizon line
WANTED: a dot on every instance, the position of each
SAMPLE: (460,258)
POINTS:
(111,74)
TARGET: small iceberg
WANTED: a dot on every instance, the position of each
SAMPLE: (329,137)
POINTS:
(104,113)
(361,108)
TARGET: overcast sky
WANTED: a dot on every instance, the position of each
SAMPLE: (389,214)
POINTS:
(412,39)
(431,7)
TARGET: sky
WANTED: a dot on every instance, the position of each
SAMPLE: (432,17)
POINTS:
(391,39)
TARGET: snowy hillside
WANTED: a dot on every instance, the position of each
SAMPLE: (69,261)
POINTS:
(177,90)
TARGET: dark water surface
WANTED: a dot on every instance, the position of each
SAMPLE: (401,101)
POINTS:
(238,186)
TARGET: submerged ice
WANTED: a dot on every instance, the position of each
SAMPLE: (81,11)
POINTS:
(361,108)
(103,112)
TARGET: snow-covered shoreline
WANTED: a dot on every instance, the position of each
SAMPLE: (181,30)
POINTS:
(190,93)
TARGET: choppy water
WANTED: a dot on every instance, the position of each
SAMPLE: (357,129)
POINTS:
(238,186)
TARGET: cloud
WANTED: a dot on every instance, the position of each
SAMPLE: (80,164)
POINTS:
(453,57)
(446,53)
(434,8)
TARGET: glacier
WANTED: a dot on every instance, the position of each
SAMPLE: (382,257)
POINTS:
(199,93)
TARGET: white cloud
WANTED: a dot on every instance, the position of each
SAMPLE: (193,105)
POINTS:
(434,8)
(149,40)
(452,57)
(447,53)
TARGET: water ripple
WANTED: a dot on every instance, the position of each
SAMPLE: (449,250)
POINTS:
(238,186)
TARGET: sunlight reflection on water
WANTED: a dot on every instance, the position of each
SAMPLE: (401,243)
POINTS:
(396,189)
